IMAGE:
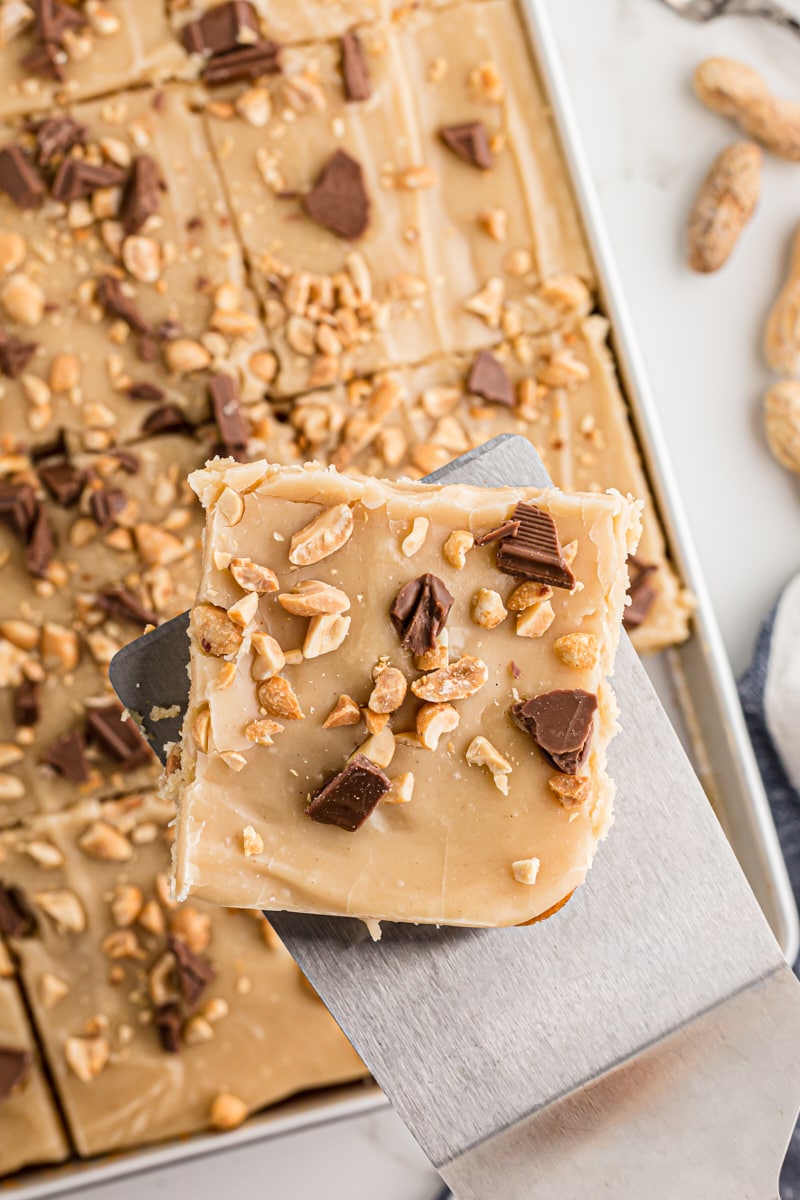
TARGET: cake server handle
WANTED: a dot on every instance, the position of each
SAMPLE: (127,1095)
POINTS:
(706,1112)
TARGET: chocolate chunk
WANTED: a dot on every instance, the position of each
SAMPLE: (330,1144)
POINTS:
(27,706)
(115,303)
(247,62)
(168,418)
(420,612)
(489,380)
(15,1067)
(46,60)
(470,142)
(19,178)
(67,755)
(41,545)
(561,724)
(169,329)
(129,461)
(534,552)
(76,179)
(14,355)
(55,448)
(194,970)
(118,602)
(63,481)
(339,201)
(507,529)
(348,798)
(56,136)
(145,391)
(168,1023)
(16,918)
(641,591)
(355,70)
(18,507)
(119,738)
(142,195)
(222,28)
(54,18)
(227,407)
(105,505)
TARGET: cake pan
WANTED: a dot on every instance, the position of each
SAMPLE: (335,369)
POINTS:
(694,682)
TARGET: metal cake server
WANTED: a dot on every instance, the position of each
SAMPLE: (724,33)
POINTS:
(644,1041)
(707,10)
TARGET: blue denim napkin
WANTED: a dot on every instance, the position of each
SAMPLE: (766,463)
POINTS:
(770,695)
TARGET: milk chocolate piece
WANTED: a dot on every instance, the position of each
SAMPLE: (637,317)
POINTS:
(77,179)
(339,201)
(14,355)
(15,1067)
(55,137)
(54,18)
(348,798)
(168,1023)
(194,971)
(228,412)
(246,62)
(355,70)
(16,918)
(420,611)
(489,379)
(167,418)
(67,755)
(145,391)
(118,737)
(142,194)
(46,60)
(534,551)
(121,603)
(19,179)
(18,507)
(27,705)
(469,141)
(641,592)
(115,303)
(561,724)
(63,481)
(129,461)
(222,28)
(105,504)
(507,529)
(41,544)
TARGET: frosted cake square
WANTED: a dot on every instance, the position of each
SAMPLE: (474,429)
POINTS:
(399,705)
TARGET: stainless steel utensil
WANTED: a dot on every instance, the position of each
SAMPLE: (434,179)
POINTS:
(707,10)
(645,1039)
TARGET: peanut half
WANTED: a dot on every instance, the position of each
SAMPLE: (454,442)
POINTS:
(782,333)
(782,422)
(736,90)
(723,205)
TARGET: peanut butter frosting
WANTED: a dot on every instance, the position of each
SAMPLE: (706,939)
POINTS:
(30,1124)
(150,1012)
(298,633)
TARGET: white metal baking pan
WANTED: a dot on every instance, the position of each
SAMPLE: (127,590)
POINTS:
(694,682)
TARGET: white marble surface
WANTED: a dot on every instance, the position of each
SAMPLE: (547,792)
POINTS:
(649,141)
